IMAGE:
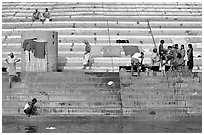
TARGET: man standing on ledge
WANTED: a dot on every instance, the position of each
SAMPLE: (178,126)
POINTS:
(86,60)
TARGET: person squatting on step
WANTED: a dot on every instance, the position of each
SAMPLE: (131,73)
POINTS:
(11,60)
(30,108)
(87,55)
(136,61)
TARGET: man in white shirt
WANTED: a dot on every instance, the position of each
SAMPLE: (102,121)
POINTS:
(136,61)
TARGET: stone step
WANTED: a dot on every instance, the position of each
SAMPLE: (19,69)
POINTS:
(107,9)
(83,25)
(161,113)
(109,12)
(161,103)
(67,81)
(60,97)
(68,111)
(61,104)
(109,18)
(78,47)
(88,30)
(154,103)
(125,103)
(107,4)
(68,93)
(78,74)
(75,89)
(46,91)
(104,39)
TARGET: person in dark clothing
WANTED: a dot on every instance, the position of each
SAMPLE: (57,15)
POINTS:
(190,57)
(169,55)
(36,15)
(30,108)
(178,62)
(161,48)
(162,52)
(175,50)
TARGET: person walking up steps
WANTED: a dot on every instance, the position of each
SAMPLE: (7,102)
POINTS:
(86,60)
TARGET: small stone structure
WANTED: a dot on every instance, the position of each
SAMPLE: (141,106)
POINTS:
(48,64)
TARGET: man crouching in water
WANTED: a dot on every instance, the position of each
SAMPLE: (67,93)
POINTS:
(136,61)
(30,108)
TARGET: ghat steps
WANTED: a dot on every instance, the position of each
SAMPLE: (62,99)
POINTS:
(102,24)
(75,93)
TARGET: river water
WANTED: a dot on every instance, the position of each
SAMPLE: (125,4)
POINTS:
(100,126)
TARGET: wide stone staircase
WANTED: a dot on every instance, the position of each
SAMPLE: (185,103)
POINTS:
(71,93)
(75,92)
(169,97)
(101,24)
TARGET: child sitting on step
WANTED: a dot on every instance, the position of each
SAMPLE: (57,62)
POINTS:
(30,108)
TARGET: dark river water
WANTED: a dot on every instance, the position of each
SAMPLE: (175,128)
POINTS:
(119,126)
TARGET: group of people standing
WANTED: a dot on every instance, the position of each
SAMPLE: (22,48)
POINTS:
(37,15)
(173,56)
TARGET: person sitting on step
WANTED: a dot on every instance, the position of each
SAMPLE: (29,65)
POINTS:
(36,15)
(46,15)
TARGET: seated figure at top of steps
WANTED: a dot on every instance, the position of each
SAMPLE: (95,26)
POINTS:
(36,15)
(46,15)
